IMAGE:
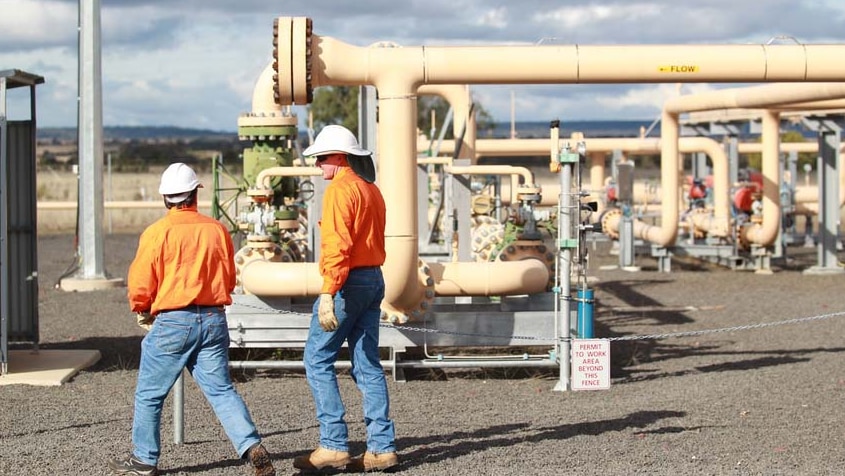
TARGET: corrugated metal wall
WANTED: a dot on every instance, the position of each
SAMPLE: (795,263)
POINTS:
(22,231)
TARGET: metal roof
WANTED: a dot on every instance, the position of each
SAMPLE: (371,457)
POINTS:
(16,78)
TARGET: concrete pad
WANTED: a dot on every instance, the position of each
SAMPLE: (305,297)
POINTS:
(90,284)
(46,367)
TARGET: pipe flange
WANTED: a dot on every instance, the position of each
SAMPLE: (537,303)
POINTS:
(611,217)
(268,118)
(292,37)
(422,308)
(531,249)
(259,250)
(528,193)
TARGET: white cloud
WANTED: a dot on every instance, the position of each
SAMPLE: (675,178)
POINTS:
(588,16)
(26,23)
(496,18)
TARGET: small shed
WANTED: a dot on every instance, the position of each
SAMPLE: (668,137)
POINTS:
(18,220)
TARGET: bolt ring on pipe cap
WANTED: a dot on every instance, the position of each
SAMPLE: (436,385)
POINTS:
(292,60)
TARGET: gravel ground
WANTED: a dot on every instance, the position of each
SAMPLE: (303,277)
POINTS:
(764,401)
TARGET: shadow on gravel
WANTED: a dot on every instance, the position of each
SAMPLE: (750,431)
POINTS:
(649,308)
(116,353)
(437,448)
(769,358)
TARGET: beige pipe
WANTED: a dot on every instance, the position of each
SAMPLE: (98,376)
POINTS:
(800,109)
(398,72)
(434,161)
(597,173)
(757,147)
(266,278)
(265,176)
(765,233)
(337,63)
(463,121)
(766,96)
(670,170)
(489,278)
(262,93)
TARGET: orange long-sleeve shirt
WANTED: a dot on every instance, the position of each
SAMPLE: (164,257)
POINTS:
(183,258)
(352,228)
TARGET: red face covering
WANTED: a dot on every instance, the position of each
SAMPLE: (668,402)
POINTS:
(331,164)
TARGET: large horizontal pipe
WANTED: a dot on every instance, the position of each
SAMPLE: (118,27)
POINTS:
(489,278)
(266,278)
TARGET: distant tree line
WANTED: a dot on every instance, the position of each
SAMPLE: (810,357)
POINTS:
(143,155)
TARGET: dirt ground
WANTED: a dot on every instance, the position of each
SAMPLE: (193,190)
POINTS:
(747,395)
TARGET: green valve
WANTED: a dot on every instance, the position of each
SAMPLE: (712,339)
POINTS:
(568,243)
(569,158)
(287,215)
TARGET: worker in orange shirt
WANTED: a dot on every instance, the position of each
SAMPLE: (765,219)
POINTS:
(181,278)
(349,307)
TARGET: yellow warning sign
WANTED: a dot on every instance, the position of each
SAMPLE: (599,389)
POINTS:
(678,68)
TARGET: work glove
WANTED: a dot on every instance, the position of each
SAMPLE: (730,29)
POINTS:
(145,320)
(325,313)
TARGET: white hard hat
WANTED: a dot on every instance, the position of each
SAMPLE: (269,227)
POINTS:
(177,182)
(333,140)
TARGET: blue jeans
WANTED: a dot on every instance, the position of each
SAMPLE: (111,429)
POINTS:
(196,339)
(357,309)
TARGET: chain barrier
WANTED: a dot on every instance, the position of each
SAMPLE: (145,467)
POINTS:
(551,340)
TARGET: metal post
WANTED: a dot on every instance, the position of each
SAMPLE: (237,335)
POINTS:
(367,120)
(90,142)
(828,198)
(733,159)
(4,236)
(179,410)
(110,190)
(564,271)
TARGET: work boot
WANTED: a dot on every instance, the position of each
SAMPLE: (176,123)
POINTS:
(322,459)
(132,466)
(373,462)
(260,460)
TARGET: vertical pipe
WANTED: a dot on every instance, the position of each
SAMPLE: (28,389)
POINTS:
(397,174)
(564,270)
(90,130)
(585,313)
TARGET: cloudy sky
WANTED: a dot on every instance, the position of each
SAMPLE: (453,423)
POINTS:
(193,63)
